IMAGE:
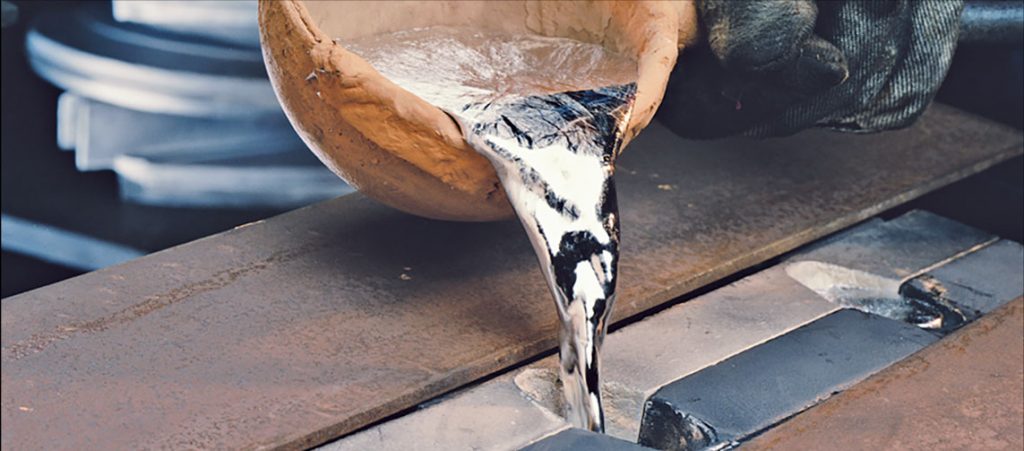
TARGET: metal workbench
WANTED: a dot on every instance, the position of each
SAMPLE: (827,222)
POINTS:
(289,332)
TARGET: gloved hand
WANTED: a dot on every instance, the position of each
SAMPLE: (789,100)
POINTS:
(770,68)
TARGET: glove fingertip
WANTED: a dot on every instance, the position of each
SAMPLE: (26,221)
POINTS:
(819,67)
(757,36)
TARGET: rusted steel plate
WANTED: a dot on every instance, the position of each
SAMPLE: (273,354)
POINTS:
(306,326)
(964,392)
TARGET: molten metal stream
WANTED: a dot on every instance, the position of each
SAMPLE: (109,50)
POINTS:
(549,114)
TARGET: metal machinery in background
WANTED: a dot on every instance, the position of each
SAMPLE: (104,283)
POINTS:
(173,96)
(175,132)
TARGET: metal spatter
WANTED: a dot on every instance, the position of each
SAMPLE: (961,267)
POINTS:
(555,155)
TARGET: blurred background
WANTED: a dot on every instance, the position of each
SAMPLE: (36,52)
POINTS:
(133,126)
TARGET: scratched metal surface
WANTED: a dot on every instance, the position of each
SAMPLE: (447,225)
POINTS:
(289,332)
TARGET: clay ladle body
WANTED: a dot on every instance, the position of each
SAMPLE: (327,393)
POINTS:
(400,150)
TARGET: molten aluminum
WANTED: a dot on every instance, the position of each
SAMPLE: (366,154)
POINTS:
(550,114)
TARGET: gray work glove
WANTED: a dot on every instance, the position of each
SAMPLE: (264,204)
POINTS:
(775,67)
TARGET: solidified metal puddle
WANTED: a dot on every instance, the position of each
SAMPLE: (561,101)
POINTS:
(870,293)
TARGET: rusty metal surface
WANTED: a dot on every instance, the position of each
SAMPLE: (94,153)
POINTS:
(964,392)
(295,330)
